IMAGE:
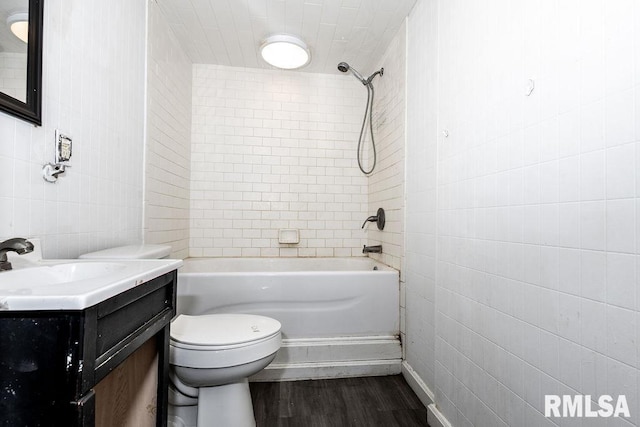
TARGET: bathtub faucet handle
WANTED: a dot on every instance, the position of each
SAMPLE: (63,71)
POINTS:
(372,218)
(378,218)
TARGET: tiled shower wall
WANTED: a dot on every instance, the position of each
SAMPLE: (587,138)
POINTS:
(537,227)
(386,183)
(93,90)
(168,151)
(275,150)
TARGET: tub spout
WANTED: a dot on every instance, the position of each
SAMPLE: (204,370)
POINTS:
(377,249)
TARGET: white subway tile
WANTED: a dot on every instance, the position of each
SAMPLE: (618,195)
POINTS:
(621,225)
(621,335)
(592,175)
(593,325)
(593,266)
(569,225)
(621,172)
(592,130)
(620,118)
(593,225)
(621,280)
(281,174)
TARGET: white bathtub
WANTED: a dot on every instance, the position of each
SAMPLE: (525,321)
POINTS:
(340,316)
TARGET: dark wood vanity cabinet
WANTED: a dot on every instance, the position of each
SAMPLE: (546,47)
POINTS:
(50,361)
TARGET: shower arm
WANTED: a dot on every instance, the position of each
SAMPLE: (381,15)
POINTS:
(372,76)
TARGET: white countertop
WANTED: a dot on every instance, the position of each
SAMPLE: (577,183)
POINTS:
(25,287)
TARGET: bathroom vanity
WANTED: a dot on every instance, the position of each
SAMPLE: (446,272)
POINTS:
(59,341)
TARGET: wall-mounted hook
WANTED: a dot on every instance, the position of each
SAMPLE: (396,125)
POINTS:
(531,85)
(51,171)
(62,151)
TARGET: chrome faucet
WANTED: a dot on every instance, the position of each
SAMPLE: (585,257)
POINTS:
(18,245)
(377,249)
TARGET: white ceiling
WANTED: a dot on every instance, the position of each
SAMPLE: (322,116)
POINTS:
(9,42)
(230,32)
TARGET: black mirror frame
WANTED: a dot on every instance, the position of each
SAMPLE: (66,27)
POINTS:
(31,110)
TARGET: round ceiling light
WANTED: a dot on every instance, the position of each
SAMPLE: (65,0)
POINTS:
(287,52)
(19,24)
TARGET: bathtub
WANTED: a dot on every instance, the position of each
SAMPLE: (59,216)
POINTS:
(340,316)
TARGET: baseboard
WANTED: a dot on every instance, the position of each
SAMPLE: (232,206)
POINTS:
(325,370)
(417,385)
(339,357)
(339,349)
(435,417)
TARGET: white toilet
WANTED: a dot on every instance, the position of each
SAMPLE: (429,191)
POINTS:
(211,357)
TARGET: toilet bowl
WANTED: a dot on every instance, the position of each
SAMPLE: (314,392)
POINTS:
(211,358)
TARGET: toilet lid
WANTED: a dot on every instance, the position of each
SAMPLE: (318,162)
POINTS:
(222,329)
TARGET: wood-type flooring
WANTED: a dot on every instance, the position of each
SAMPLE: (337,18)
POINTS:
(346,402)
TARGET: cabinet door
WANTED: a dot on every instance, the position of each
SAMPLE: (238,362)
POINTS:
(85,410)
(37,370)
(127,397)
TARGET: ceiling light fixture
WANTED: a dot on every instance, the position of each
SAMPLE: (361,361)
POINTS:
(284,51)
(19,24)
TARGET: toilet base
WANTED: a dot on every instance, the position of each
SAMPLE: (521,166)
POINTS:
(226,405)
(182,416)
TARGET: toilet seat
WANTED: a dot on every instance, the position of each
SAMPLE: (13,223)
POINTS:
(221,331)
(222,340)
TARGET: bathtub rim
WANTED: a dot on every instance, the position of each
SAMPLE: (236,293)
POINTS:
(381,267)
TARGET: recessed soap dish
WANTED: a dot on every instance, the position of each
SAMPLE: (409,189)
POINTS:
(289,236)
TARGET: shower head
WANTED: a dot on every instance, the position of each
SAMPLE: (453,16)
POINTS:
(344,67)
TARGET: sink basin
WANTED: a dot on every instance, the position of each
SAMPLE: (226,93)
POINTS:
(55,274)
(74,284)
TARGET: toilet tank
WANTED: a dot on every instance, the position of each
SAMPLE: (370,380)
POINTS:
(131,252)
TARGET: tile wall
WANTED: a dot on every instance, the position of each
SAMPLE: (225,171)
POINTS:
(275,150)
(537,206)
(421,190)
(93,89)
(386,183)
(168,149)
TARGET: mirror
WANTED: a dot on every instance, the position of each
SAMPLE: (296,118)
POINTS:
(21,61)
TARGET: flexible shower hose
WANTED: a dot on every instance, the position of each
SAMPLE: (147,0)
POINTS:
(368,110)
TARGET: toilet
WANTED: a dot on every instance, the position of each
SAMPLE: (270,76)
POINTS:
(211,357)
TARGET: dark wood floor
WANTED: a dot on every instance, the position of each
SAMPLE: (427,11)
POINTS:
(348,402)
